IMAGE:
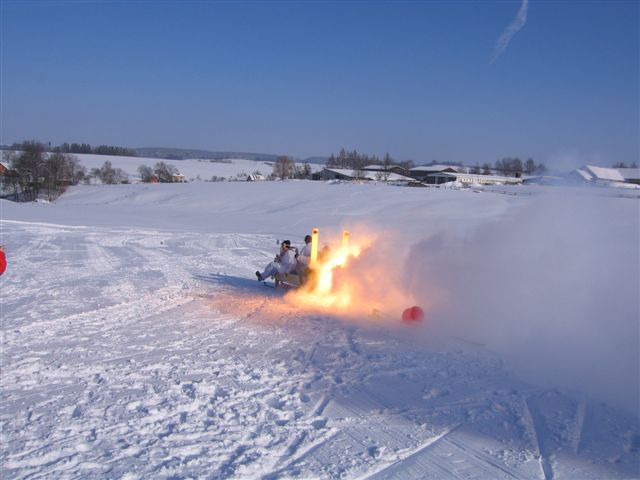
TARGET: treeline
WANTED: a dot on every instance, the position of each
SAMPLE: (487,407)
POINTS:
(99,150)
(508,166)
(624,165)
(80,148)
(352,160)
(186,154)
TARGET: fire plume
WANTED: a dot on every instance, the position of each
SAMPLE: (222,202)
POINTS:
(329,285)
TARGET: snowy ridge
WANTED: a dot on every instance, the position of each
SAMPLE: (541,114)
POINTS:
(136,343)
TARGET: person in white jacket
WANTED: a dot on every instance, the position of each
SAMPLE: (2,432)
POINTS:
(285,262)
(304,256)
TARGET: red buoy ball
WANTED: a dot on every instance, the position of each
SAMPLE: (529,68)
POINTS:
(413,314)
(3,262)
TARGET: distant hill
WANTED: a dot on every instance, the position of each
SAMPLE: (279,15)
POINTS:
(190,153)
(316,160)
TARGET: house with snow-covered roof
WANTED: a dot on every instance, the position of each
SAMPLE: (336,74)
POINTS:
(178,178)
(580,176)
(594,175)
(603,174)
(630,175)
(6,171)
(365,175)
(470,179)
(400,170)
(422,172)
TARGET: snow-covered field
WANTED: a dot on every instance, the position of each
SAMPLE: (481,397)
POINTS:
(137,343)
(192,169)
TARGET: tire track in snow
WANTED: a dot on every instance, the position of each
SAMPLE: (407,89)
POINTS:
(536,426)
(296,455)
(406,456)
(581,413)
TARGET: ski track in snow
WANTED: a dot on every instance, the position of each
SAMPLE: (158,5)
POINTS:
(132,356)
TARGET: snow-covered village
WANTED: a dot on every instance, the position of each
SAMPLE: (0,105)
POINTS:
(219,261)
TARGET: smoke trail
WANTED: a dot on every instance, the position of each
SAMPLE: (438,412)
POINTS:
(552,287)
(507,35)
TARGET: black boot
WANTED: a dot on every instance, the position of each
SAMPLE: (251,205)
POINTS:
(259,276)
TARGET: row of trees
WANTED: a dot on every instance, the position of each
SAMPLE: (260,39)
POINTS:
(164,172)
(99,150)
(509,166)
(35,171)
(352,160)
(81,148)
(109,175)
(624,165)
(284,167)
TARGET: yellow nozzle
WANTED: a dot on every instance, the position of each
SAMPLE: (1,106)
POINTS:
(314,248)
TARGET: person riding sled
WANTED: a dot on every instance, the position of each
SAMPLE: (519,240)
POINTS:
(304,257)
(285,262)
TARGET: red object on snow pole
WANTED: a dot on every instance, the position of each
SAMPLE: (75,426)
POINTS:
(413,314)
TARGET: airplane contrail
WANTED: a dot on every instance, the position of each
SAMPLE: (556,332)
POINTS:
(512,29)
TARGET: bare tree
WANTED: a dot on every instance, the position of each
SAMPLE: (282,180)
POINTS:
(29,165)
(164,172)
(74,172)
(387,161)
(501,166)
(516,167)
(306,170)
(145,172)
(529,166)
(107,173)
(110,176)
(10,179)
(283,167)
(55,170)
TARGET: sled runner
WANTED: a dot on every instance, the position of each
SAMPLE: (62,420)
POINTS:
(290,279)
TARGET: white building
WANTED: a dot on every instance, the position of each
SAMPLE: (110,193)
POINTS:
(365,175)
(593,175)
(469,179)
(424,171)
(630,175)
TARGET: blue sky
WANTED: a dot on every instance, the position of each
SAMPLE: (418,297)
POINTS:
(415,79)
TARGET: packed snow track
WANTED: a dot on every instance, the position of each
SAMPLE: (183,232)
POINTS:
(140,353)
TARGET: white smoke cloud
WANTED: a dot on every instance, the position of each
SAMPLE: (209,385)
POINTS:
(552,288)
(512,29)
(565,160)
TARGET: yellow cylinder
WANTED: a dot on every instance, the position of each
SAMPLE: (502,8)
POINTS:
(314,248)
